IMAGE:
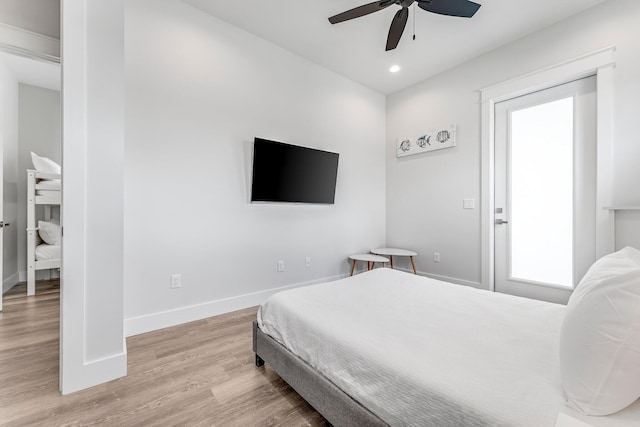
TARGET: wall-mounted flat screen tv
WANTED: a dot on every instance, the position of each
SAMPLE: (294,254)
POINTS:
(284,173)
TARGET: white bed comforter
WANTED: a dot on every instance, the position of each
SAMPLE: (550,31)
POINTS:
(418,351)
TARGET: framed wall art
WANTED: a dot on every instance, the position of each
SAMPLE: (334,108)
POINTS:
(427,141)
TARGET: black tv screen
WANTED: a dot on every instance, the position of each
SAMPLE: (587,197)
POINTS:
(287,173)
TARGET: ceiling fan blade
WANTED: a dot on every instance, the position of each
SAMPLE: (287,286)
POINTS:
(397,28)
(360,11)
(461,8)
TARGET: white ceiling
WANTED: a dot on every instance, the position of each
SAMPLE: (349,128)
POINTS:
(355,49)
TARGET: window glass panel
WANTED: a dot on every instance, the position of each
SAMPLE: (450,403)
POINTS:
(541,239)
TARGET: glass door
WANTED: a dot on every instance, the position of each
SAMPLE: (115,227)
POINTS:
(545,154)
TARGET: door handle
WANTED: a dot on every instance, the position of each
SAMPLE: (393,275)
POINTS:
(501,221)
(4,224)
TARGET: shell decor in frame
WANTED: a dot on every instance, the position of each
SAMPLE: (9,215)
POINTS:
(427,141)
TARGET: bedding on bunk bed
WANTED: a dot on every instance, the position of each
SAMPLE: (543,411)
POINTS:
(47,193)
(48,187)
(48,243)
(45,252)
(418,351)
(50,184)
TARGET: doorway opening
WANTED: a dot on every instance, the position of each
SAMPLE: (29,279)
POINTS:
(601,64)
(30,124)
(545,190)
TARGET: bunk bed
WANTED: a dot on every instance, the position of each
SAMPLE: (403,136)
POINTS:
(43,235)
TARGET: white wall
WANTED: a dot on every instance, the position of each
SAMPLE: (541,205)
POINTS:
(39,131)
(425,192)
(197,92)
(9,150)
(93,349)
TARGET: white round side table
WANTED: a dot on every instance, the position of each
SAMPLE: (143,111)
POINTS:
(391,252)
(371,260)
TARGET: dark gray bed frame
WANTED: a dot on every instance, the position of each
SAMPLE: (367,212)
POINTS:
(334,404)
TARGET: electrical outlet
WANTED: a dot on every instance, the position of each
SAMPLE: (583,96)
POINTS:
(280,266)
(307,262)
(436,257)
(176,281)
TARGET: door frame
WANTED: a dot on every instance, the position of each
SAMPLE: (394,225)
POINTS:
(580,96)
(600,63)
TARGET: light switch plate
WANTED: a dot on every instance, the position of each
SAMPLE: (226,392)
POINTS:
(468,203)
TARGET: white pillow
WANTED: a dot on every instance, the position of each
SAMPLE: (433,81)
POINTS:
(600,336)
(49,232)
(45,165)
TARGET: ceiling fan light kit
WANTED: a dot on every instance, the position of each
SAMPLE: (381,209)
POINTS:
(459,8)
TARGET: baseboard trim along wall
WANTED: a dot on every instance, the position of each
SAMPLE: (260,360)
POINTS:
(10,282)
(98,371)
(50,274)
(477,285)
(178,316)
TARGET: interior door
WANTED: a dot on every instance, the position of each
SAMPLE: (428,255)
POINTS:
(545,188)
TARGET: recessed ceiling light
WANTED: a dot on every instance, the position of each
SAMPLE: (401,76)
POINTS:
(394,69)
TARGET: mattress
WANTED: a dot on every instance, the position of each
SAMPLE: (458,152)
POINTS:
(48,193)
(48,187)
(49,184)
(46,252)
(417,351)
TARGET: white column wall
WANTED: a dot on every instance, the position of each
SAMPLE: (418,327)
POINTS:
(93,349)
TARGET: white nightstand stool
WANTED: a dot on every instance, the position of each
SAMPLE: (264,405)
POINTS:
(369,258)
(391,252)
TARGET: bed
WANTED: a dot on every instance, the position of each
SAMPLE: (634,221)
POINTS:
(390,348)
(43,230)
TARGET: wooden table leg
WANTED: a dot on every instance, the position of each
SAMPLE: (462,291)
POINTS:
(391,259)
(353,266)
(413,265)
(368,265)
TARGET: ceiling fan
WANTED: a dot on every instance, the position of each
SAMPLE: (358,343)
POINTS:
(461,8)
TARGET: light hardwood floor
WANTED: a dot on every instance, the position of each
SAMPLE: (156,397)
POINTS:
(197,374)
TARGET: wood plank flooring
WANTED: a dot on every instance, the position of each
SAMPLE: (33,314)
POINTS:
(197,374)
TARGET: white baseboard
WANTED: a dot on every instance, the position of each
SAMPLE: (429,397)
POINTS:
(10,282)
(96,372)
(53,273)
(477,285)
(177,316)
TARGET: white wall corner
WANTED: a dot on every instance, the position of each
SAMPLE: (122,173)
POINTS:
(10,282)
